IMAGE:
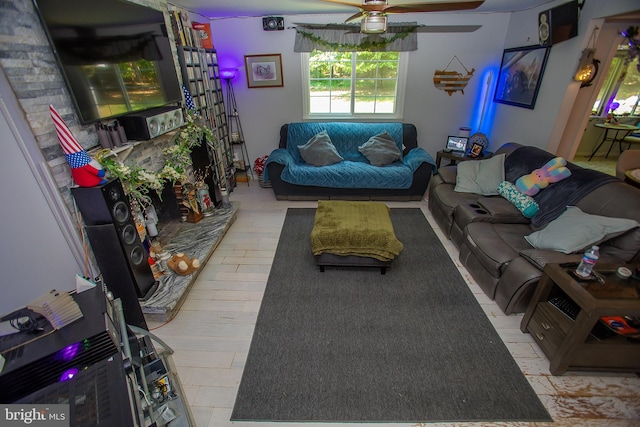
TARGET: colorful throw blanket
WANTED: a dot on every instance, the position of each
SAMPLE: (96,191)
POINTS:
(354,228)
(554,199)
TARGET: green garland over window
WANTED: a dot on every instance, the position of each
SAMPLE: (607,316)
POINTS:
(365,45)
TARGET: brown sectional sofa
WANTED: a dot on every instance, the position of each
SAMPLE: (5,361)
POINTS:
(490,232)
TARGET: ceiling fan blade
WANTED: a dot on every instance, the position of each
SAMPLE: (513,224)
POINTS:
(351,28)
(433,7)
(397,28)
(354,17)
(346,3)
(401,28)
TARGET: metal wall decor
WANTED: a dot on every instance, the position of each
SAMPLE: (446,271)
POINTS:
(452,81)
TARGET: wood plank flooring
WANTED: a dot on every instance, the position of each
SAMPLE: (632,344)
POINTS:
(212,332)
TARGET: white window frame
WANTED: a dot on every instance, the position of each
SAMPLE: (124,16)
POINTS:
(403,61)
(611,86)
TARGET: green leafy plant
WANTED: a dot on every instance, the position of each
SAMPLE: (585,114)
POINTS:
(138,182)
(632,35)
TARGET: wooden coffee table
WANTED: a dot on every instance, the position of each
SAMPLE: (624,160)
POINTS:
(581,343)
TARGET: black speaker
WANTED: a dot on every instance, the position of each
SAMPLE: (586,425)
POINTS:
(148,124)
(558,24)
(116,245)
(273,23)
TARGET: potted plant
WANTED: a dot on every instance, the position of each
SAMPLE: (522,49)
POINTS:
(177,169)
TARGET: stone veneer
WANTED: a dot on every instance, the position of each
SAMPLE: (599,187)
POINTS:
(36,79)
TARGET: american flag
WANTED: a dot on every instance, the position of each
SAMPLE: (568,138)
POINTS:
(188,99)
(74,153)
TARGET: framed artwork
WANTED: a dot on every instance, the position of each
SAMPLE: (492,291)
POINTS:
(520,75)
(476,150)
(264,70)
(457,143)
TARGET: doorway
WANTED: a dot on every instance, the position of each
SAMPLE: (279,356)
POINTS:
(580,136)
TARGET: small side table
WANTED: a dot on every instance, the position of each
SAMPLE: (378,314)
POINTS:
(567,341)
(618,134)
(455,156)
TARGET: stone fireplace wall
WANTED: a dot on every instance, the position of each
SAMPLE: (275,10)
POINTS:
(28,61)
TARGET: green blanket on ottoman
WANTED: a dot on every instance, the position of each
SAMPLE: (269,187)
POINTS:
(354,228)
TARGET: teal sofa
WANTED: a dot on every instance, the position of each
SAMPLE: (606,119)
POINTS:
(353,178)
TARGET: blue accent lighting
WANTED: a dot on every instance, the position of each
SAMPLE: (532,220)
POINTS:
(484,112)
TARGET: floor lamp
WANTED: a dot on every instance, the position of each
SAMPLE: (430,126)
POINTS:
(235,127)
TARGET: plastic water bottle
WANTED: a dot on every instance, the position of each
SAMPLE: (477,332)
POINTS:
(589,260)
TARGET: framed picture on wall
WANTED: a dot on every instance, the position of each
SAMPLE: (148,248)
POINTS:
(264,70)
(520,75)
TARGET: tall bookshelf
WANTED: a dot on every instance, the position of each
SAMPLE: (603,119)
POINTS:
(201,76)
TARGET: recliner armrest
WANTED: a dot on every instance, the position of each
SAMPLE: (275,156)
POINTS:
(542,257)
(500,207)
(448,174)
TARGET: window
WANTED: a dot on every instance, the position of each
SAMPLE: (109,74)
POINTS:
(354,84)
(621,86)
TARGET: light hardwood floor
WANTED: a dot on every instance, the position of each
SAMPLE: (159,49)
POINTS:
(211,333)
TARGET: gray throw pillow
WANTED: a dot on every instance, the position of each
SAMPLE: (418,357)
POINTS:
(574,231)
(381,150)
(319,150)
(480,176)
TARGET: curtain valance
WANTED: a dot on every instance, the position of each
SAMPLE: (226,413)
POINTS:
(400,37)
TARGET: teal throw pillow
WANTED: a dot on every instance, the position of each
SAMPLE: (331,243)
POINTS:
(480,176)
(574,230)
(525,204)
(381,150)
(319,150)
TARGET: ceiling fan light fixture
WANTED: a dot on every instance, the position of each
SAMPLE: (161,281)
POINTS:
(373,23)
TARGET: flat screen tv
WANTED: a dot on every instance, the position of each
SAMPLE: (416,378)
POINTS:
(115,55)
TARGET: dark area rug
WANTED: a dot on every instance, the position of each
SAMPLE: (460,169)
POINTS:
(350,344)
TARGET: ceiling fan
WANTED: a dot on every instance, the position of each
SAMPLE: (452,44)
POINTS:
(374,12)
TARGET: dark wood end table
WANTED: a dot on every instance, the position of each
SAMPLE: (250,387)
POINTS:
(569,343)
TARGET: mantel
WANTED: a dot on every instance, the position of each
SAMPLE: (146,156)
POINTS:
(123,151)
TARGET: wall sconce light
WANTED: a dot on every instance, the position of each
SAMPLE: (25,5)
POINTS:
(588,65)
(373,23)
(587,68)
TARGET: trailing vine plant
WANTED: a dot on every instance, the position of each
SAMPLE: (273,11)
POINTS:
(138,182)
(366,45)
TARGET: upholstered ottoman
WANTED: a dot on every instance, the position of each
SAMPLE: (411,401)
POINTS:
(353,234)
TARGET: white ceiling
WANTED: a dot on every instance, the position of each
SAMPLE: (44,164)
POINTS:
(235,8)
